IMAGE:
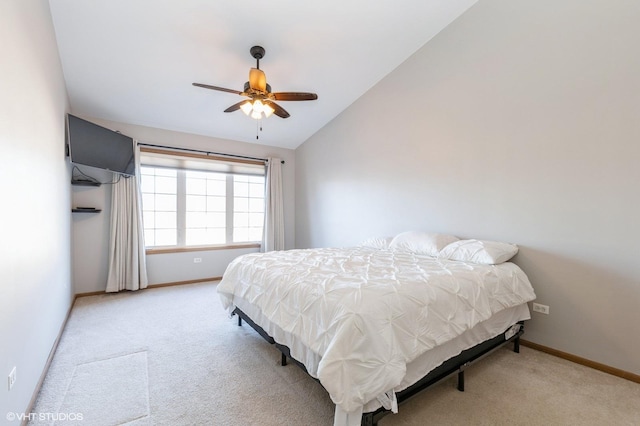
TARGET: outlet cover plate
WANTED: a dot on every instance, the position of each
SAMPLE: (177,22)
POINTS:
(543,309)
(12,378)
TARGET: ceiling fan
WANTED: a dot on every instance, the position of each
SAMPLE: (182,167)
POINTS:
(261,100)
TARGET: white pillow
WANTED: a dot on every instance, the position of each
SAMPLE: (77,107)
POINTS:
(421,242)
(479,251)
(377,242)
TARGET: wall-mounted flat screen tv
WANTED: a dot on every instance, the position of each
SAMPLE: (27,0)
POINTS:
(97,146)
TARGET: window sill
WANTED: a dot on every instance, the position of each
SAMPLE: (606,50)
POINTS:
(201,248)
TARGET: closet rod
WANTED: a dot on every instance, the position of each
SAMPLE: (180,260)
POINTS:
(205,152)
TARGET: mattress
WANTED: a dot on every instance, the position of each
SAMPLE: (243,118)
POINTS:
(363,320)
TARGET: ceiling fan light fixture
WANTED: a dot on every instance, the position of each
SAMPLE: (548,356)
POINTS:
(257,109)
(246,107)
(268,110)
(258,106)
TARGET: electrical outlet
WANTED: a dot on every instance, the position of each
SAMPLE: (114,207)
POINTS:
(12,378)
(543,309)
(197,260)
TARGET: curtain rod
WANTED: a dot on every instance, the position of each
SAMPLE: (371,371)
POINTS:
(199,151)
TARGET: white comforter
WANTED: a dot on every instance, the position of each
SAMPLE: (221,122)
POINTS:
(368,312)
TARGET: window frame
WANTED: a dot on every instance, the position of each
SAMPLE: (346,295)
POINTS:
(181,195)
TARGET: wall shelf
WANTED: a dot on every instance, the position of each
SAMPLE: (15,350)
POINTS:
(85,210)
(85,183)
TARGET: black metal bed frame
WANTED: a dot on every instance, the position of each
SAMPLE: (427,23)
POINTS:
(457,364)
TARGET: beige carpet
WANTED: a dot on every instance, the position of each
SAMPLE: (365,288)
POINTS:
(171,356)
(97,380)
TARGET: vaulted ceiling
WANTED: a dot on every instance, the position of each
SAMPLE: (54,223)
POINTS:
(134,61)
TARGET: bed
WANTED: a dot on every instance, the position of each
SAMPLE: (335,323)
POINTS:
(378,322)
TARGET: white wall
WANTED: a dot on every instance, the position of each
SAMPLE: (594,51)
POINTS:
(519,122)
(91,231)
(35,273)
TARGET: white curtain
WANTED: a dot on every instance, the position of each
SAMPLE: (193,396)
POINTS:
(273,236)
(127,261)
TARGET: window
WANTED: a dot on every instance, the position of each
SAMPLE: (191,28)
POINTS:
(248,208)
(193,207)
(159,206)
(205,208)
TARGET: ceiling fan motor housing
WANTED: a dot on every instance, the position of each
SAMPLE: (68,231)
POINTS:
(247,86)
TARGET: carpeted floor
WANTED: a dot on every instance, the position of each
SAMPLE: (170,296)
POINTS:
(171,356)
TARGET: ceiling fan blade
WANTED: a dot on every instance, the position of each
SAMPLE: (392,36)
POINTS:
(221,89)
(278,110)
(235,107)
(294,96)
(257,80)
